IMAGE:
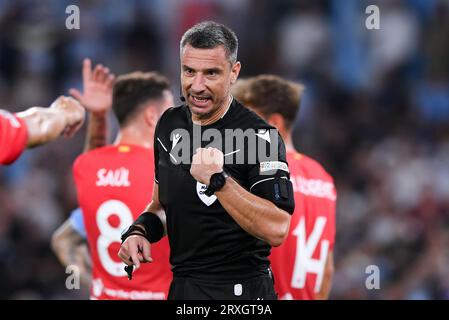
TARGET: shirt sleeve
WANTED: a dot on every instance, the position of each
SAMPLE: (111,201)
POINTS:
(156,151)
(269,177)
(77,221)
(13,137)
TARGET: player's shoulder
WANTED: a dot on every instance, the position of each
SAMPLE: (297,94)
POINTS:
(105,153)
(94,155)
(316,167)
(172,116)
(174,111)
(245,118)
(311,167)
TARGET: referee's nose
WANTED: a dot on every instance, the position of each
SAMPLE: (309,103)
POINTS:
(198,84)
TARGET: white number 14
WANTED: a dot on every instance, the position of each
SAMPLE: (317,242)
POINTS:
(304,263)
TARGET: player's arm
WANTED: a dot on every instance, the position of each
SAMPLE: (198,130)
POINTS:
(327,278)
(256,215)
(64,117)
(150,227)
(97,99)
(71,249)
(97,132)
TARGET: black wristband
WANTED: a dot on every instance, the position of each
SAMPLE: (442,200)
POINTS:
(153,226)
(132,230)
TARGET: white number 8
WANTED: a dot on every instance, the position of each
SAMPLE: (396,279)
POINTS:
(110,234)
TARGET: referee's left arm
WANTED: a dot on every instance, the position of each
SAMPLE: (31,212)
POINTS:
(257,216)
(260,217)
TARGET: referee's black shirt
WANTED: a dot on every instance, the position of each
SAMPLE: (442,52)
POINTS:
(205,241)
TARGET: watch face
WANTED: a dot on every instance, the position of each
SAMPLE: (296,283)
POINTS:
(218,180)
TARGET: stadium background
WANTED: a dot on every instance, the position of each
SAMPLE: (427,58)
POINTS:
(375,114)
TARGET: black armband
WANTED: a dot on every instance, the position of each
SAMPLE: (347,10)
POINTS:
(279,190)
(154,229)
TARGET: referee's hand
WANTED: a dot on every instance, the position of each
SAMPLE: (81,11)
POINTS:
(134,250)
(206,162)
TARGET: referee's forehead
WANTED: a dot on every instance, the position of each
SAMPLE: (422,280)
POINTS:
(204,59)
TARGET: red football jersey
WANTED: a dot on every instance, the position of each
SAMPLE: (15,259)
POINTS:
(114,185)
(13,137)
(299,263)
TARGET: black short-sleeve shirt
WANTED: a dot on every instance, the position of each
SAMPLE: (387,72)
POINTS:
(205,240)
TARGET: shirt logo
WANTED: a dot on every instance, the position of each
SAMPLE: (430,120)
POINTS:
(273,165)
(264,134)
(200,188)
(175,139)
(124,149)
(113,178)
(238,289)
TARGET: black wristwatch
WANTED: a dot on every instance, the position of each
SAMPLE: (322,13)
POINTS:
(217,181)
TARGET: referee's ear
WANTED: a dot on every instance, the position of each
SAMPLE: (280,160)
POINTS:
(235,71)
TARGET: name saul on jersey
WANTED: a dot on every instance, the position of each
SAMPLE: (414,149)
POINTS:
(113,178)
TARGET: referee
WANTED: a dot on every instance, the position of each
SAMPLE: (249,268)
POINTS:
(225,206)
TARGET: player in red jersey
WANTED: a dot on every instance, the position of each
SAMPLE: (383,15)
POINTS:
(36,126)
(112,184)
(303,264)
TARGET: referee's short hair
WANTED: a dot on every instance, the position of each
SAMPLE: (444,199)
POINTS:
(209,35)
(268,94)
(133,90)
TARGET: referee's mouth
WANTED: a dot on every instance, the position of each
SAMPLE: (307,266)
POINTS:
(200,101)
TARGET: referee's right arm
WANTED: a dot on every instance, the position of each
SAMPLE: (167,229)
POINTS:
(155,207)
(137,248)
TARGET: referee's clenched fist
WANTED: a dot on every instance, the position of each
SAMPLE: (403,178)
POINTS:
(206,162)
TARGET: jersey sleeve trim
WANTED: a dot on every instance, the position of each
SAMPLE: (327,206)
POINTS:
(263,180)
(77,221)
(13,139)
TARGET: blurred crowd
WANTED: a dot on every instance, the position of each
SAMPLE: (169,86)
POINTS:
(375,113)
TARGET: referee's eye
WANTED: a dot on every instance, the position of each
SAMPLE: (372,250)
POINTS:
(188,71)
